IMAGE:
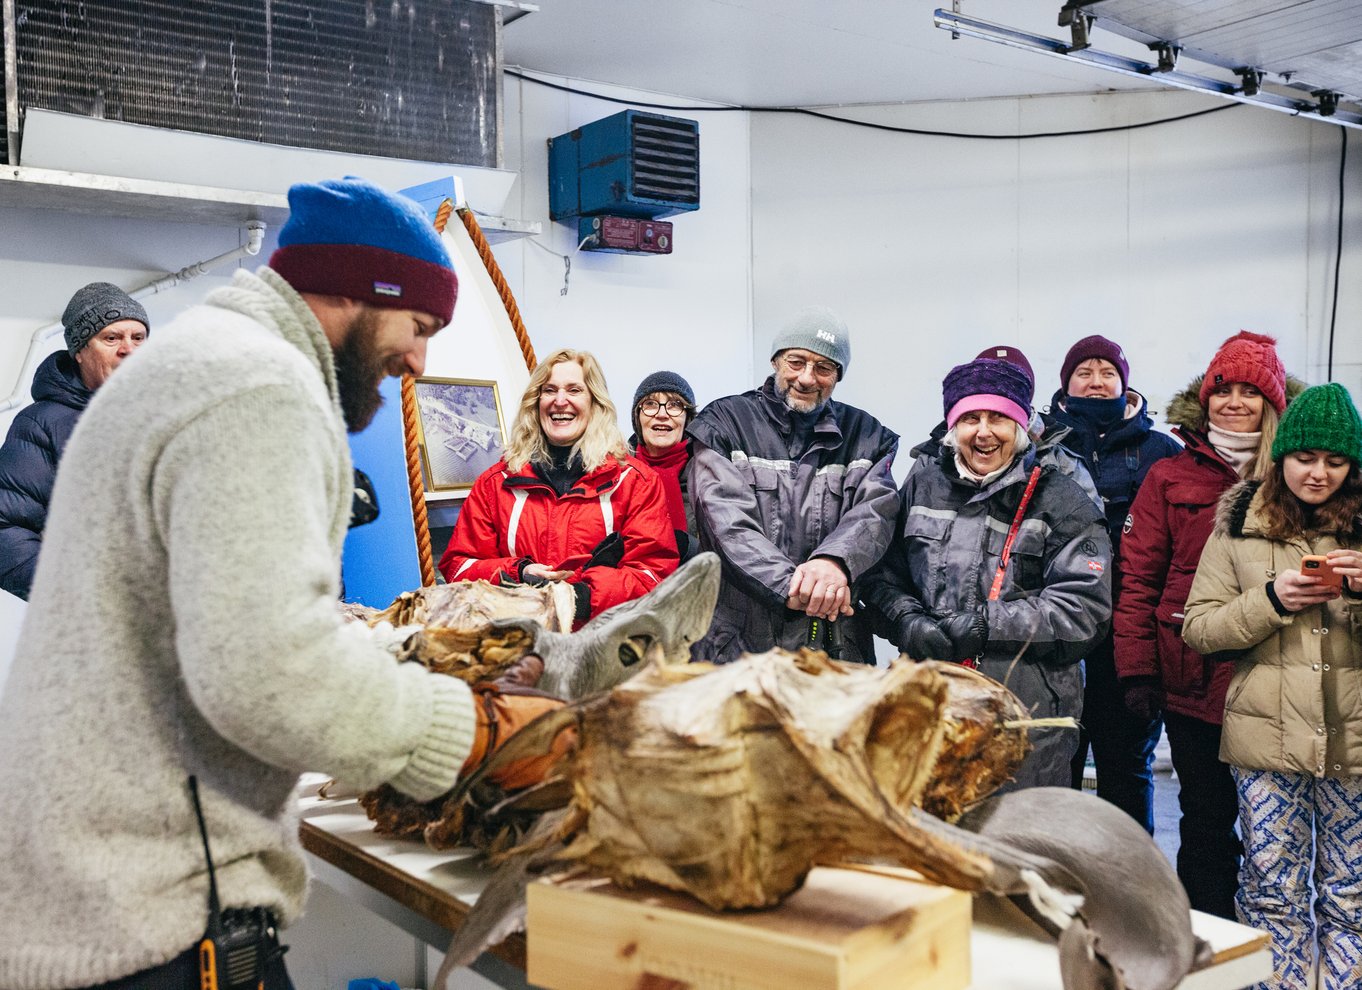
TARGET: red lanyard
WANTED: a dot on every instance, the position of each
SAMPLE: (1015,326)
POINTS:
(1012,535)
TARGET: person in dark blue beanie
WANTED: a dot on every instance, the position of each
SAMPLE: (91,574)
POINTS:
(664,405)
(1114,434)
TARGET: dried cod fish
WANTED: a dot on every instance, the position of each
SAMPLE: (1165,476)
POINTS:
(731,783)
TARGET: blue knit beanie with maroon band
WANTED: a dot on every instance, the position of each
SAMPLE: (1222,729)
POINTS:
(347,237)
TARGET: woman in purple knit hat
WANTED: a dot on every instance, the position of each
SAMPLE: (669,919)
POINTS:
(999,559)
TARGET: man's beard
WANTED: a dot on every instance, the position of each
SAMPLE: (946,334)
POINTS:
(359,372)
(789,396)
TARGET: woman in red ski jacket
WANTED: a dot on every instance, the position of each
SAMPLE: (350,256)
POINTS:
(567,502)
(1226,420)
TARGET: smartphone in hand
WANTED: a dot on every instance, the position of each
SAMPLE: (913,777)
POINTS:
(1317,566)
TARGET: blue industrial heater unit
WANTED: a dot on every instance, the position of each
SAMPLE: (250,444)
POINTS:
(617,176)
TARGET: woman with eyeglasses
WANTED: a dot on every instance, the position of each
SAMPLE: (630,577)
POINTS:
(1278,592)
(566,502)
(664,405)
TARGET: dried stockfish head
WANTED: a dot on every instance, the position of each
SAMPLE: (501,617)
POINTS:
(660,626)
(473,630)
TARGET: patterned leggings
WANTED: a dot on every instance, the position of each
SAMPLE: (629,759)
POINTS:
(1297,827)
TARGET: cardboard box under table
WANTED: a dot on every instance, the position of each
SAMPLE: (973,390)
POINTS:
(845,929)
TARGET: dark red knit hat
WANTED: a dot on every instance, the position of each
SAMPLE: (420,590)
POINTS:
(1250,358)
(1012,355)
(1095,346)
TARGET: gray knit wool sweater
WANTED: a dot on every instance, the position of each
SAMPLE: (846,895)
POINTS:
(183,621)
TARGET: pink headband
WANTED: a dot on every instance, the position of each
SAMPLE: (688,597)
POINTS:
(993,403)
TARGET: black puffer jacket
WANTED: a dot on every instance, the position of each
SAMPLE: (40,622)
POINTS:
(28,466)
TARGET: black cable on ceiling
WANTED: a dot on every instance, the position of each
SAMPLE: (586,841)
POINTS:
(863,123)
(1338,251)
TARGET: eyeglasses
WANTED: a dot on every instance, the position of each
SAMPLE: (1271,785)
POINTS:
(551,391)
(673,407)
(821,369)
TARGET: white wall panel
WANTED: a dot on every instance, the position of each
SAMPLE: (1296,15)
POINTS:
(1167,239)
(687,311)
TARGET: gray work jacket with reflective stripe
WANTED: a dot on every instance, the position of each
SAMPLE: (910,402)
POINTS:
(1055,598)
(768,496)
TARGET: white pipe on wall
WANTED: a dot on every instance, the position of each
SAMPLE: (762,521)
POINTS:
(37,350)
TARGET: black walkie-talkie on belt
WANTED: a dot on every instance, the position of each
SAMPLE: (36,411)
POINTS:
(233,952)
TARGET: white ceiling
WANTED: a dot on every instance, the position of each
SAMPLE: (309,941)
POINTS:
(808,53)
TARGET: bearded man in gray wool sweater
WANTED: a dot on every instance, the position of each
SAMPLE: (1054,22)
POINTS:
(183,615)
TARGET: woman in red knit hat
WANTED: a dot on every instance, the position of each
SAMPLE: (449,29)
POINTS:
(1226,420)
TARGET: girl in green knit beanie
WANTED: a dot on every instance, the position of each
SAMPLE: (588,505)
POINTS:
(1292,731)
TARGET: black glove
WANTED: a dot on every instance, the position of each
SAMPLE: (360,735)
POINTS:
(967,631)
(921,638)
(608,553)
(582,591)
(1143,696)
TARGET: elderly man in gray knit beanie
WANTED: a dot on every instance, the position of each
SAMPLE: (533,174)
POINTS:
(793,491)
(103,326)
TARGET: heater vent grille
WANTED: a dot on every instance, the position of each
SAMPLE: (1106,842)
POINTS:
(666,159)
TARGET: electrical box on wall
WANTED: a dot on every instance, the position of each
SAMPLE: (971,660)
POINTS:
(632,166)
(624,235)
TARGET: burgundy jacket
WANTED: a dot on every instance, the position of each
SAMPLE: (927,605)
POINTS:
(1169,523)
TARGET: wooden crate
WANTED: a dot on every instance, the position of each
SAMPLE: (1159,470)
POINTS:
(846,929)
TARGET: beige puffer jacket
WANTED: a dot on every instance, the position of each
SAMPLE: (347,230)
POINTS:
(1295,701)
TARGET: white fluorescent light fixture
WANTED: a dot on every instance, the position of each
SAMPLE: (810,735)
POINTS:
(1162,72)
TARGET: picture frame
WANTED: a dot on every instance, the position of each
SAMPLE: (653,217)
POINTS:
(460,431)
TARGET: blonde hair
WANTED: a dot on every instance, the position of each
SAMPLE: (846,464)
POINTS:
(1260,464)
(602,437)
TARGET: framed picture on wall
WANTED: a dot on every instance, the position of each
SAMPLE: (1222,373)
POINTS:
(461,432)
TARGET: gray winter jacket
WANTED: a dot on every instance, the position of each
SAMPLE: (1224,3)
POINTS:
(770,490)
(1055,599)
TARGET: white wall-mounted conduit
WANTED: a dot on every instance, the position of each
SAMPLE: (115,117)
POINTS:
(38,347)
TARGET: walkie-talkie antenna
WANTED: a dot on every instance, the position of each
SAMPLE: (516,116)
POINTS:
(214,907)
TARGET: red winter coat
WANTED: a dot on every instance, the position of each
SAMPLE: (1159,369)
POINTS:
(1169,522)
(510,518)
